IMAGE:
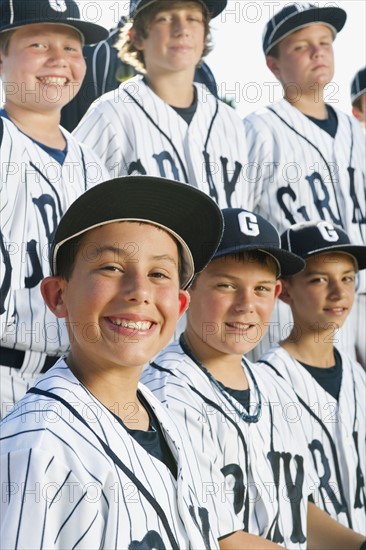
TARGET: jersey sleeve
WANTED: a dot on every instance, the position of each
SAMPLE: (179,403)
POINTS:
(45,506)
(195,418)
(104,128)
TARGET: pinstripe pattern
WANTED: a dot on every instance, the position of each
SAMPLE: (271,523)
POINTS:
(35,191)
(300,173)
(242,452)
(63,490)
(133,130)
(341,418)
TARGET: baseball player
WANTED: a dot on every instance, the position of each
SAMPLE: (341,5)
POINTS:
(358,96)
(105,72)
(108,467)
(160,123)
(43,169)
(331,386)
(307,156)
(239,418)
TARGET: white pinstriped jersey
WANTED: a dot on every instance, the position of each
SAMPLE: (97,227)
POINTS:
(84,482)
(298,173)
(35,191)
(265,467)
(335,431)
(301,173)
(135,131)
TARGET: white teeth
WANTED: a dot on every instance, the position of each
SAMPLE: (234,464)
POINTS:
(58,80)
(134,325)
(240,326)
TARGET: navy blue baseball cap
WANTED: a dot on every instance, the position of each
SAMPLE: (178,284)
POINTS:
(309,239)
(189,215)
(296,16)
(358,86)
(17,13)
(245,230)
(214,7)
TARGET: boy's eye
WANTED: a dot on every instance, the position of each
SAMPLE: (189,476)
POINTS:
(158,275)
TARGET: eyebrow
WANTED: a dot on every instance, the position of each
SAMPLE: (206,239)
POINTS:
(234,278)
(126,252)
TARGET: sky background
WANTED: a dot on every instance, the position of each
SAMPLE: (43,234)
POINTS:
(237,59)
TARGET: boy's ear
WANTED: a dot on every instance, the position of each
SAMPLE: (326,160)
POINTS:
(52,292)
(184,299)
(278,288)
(273,65)
(356,113)
(284,294)
(135,39)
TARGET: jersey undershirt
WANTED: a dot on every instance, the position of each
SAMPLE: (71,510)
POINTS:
(187,113)
(58,154)
(330,124)
(153,441)
(330,379)
(242,396)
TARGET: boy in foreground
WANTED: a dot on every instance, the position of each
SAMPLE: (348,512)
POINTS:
(329,383)
(43,169)
(239,417)
(89,458)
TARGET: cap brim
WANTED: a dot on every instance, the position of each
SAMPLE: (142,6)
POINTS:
(187,213)
(91,32)
(357,251)
(215,7)
(333,17)
(289,263)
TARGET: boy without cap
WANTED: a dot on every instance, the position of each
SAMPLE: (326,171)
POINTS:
(308,156)
(330,384)
(43,169)
(107,466)
(358,96)
(161,122)
(237,416)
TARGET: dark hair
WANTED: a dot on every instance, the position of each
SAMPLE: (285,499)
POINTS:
(249,256)
(358,103)
(66,255)
(134,57)
(275,51)
(5,40)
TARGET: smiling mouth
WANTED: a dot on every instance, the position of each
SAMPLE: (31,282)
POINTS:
(56,80)
(132,325)
(239,326)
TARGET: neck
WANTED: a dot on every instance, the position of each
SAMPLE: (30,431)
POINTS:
(226,368)
(116,389)
(41,126)
(311,104)
(316,350)
(175,89)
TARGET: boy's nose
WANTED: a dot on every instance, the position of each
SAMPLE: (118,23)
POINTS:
(136,288)
(180,26)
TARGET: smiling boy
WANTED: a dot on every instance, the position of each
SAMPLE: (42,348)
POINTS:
(109,467)
(161,122)
(239,416)
(307,155)
(43,169)
(331,386)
